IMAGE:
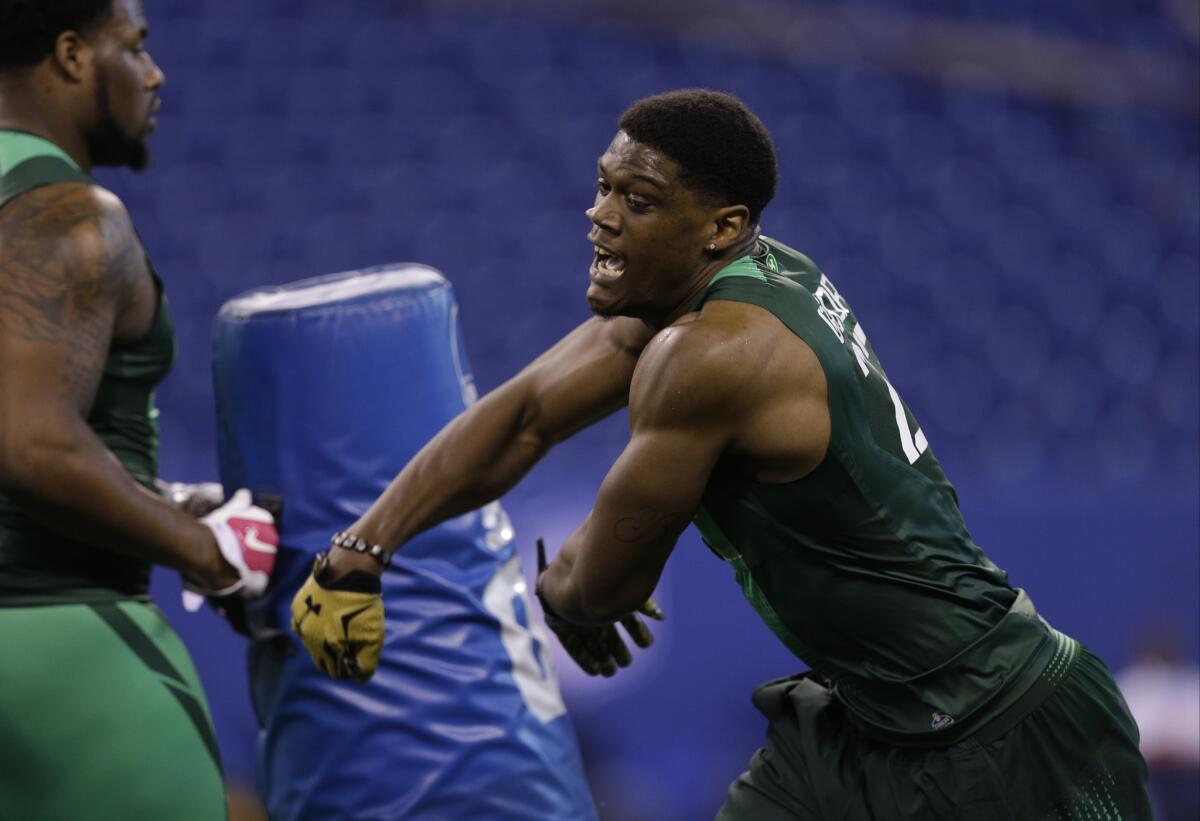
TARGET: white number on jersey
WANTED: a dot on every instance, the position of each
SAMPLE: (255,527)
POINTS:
(834,310)
(912,443)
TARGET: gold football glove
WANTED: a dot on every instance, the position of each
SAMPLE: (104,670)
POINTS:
(341,623)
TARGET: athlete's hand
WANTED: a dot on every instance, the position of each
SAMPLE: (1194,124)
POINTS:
(599,650)
(340,622)
(246,536)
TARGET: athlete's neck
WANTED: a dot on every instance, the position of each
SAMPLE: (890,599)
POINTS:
(19,114)
(718,262)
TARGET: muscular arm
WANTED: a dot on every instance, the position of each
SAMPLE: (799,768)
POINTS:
(484,451)
(686,404)
(72,276)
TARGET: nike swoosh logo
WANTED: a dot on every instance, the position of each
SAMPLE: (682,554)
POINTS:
(256,544)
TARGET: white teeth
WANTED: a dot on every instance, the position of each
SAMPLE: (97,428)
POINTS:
(602,269)
(607,264)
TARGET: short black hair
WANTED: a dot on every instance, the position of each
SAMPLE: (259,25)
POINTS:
(723,149)
(29,28)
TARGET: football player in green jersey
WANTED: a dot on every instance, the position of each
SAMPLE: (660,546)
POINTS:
(101,711)
(760,412)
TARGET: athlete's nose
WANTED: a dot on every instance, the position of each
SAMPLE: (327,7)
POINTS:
(602,218)
(155,78)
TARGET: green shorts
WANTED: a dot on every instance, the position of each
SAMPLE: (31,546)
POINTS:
(102,717)
(1074,756)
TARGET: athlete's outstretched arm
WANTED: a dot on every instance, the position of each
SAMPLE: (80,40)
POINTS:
(484,451)
(70,272)
(686,404)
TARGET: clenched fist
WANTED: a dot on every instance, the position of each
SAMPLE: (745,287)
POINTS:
(340,623)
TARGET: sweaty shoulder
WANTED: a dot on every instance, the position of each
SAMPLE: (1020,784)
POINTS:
(86,222)
(736,371)
(68,199)
(706,361)
(67,248)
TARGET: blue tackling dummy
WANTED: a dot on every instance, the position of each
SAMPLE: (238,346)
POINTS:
(325,389)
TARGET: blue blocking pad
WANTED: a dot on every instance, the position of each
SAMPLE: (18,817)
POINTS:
(325,389)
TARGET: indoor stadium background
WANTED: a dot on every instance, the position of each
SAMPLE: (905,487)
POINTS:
(1006,193)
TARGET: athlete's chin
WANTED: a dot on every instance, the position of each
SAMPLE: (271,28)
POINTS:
(604,305)
(600,302)
(601,310)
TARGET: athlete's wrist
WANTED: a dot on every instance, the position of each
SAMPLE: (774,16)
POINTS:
(212,571)
(550,575)
(343,562)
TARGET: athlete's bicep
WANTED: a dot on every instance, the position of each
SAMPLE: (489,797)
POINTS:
(683,413)
(581,379)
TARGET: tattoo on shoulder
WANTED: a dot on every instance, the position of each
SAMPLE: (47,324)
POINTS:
(645,525)
(64,265)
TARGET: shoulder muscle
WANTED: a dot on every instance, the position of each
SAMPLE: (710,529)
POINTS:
(694,373)
(69,253)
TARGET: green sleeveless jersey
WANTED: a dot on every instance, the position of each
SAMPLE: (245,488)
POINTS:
(864,568)
(36,564)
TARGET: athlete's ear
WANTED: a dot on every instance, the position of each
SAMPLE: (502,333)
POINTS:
(729,226)
(72,55)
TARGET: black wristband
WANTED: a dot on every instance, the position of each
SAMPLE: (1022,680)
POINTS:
(356,581)
(553,619)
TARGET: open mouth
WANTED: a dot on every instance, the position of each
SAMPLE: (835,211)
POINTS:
(606,264)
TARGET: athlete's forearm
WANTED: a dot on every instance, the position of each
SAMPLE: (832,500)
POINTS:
(592,599)
(474,460)
(486,450)
(563,589)
(71,484)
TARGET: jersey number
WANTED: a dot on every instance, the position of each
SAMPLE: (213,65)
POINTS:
(912,443)
(833,309)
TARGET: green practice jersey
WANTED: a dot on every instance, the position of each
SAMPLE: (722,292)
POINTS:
(36,564)
(864,568)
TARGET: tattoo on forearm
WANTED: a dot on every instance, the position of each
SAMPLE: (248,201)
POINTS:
(47,295)
(645,525)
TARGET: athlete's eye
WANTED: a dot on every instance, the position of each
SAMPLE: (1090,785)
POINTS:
(602,186)
(638,204)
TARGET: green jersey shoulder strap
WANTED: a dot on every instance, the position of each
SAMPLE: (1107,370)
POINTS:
(28,161)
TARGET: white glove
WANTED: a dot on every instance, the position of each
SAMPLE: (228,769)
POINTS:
(248,540)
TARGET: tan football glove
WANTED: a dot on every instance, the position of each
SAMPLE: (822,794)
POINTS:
(341,624)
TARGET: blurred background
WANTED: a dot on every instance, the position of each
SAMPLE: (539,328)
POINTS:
(1007,193)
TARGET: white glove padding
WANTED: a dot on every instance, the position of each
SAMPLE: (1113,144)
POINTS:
(248,540)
